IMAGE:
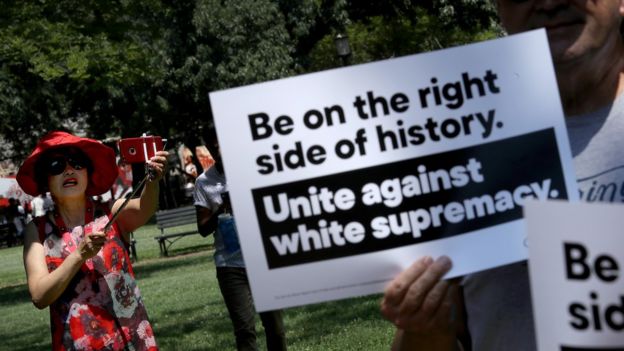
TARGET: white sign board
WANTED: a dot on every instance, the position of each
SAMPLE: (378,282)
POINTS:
(341,179)
(576,262)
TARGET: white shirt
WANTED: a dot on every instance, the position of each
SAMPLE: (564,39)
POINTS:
(37,207)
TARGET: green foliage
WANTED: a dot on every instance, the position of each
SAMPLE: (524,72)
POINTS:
(247,39)
(73,65)
(401,28)
(124,67)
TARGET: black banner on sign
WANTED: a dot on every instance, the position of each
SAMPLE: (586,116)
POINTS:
(407,202)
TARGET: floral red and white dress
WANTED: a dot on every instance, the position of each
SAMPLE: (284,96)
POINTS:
(102,308)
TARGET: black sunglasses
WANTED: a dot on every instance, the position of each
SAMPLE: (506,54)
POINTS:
(57,164)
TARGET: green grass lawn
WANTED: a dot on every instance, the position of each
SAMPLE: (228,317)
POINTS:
(186,308)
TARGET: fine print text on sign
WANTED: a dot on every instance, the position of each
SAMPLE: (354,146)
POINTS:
(577,279)
(341,179)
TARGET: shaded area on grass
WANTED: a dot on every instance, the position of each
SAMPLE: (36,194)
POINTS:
(329,319)
(186,325)
(187,312)
(11,295)
(23,327)
(27,338)
(190,249)
(144,270)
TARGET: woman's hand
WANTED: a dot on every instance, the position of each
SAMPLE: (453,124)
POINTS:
(158,165)
(91,245)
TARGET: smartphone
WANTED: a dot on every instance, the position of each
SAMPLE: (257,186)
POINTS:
(139,150)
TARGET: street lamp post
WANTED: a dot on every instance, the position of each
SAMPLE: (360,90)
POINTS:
(342,48)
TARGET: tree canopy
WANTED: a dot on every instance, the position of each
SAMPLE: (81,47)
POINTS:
(121,68)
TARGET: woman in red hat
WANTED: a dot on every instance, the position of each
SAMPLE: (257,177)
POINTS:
(83,274)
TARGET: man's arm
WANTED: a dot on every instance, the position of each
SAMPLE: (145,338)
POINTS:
(206,220)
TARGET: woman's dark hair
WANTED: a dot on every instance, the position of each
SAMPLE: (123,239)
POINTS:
(41,172)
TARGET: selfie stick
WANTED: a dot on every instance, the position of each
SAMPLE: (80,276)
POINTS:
(128,198)
(148,175)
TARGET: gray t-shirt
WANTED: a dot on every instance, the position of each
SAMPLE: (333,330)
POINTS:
(209,187)
(498,301)
(597,142)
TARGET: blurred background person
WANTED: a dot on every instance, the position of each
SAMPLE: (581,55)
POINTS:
(214,215)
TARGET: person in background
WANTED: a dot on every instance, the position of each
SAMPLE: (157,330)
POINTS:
(75,267)
(204,157)
(48,203)
(214,214)
(37,205)
(15,215)
(190,170)
(587,49)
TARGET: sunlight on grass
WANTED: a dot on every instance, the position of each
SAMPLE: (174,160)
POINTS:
(11,266)
(186,308)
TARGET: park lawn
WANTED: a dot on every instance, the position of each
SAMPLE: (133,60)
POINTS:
(186,309)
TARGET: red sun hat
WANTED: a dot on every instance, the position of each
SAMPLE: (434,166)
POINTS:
(102,157)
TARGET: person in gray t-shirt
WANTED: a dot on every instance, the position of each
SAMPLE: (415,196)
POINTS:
(214,214)
(491,310)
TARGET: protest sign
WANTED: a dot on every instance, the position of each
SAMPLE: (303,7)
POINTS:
(341,179)
(576,266)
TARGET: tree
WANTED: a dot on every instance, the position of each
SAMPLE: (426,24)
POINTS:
(125,67)
(81,65)
(381,30)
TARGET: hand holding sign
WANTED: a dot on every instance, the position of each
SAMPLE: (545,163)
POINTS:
(418,300)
